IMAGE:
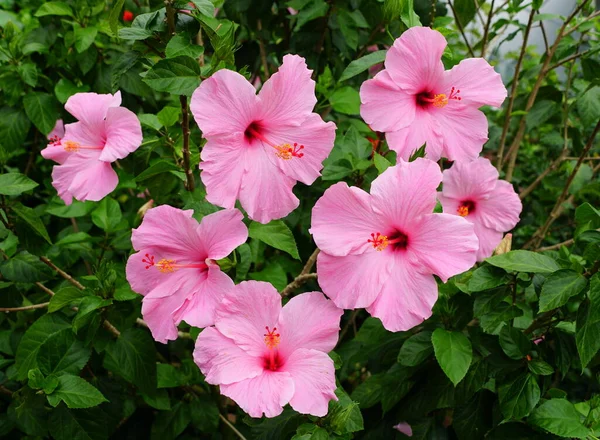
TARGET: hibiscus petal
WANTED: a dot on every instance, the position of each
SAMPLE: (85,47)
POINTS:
(354,281)
(384,105)
(265,394)
(223,156)
(266,193)
(58,130)
(84,177)
(85,134)
(316,136)
(445,244)
(464,131)
(313,374)
(223,362)
(406,299)
(405,192)
(173,231)
(423,130)
(414,62)
(501,210)
(289,95)
(310,321)
(198,309)
(91,108)
(343,221)
(225,103)
(478,82)
(246,311)
(221,232)
(57,153)
(123,134)
(472,180)
(488,238)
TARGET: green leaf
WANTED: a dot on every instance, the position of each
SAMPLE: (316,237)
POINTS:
(465,11)
(204,6)
(453,352)
(115,14)
(133,356)
(586,213)
(180,44)
(485,278)
(276,234)
(28,73)
(33,220)
(75,392)
(35,379)
(134,33)
(346,100)
(559,287)
(178,76)
(344,414)
(524,261)
(559,417)
(34,337)
(272,273)
(514,343)
(169,424)
(381,163)
(64,89)
(314,9)
(519,397)
(362,64)
(588,106)
(159,167)
(62,353)
(205,414)
(14,126)
(416,349)
(587,335)
(54,8)
(25,268)
(13,184)
(540,367)
(81,424)
(107,215)
(169,116)
(84,37)
(64,297)
(41,110)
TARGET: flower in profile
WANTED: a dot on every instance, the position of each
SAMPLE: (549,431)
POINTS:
(381,250)
(472,190)
(260,145)
(414,101)
(264,356)
(104,133)
(175,266)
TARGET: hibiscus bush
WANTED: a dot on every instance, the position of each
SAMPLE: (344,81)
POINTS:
(302,219)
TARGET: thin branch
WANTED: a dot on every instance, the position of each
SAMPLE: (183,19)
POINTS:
(21,309)
(233,428)
(348,324)
(263,51)
(462,31)
(540,234)
(310,262)
(570,58)
(513,92)
(62,273)
(543,29)
(111,328)
(185,127)
(298,281)
(568,242)
(588,18)
(44,288)
(487,29)
(539,322)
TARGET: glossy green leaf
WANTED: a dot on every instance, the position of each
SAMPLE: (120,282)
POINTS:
(276,234)
(453,352)
(13,184)
(559,287)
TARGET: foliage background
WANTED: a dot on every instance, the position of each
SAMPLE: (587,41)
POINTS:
(511,350)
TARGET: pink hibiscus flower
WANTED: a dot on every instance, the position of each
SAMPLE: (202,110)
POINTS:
(175,267)
(260,145)
(472,190)
(264,356)
(380,250)
(57,133)
(414,101)
(104,133)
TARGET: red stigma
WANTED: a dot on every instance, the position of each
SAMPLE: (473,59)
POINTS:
(149,260)
(272,339)
(378,241)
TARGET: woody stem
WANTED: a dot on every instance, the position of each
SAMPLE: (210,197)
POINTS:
(185,126)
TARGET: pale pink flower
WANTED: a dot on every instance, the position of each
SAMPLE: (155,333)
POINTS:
(260,145)
(404,428)
(175,266)
(472,190)
(414,101)
(104,133)
(264,356)
(380,250)
(57,133)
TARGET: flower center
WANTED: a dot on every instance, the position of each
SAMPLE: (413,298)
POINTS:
(438,100)
(168,266)
(272,340)
(54,141)
(72,147)
(466,208)
(380,242)
(284,151)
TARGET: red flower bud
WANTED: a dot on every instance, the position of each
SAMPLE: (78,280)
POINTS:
(127,15)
